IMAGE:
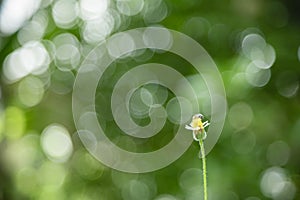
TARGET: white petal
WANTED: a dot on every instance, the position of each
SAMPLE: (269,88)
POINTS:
(195,138)
(205,135)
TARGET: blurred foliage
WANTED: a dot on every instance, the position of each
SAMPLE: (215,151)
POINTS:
(257,155)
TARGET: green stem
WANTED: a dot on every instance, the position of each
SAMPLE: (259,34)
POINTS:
(203,168)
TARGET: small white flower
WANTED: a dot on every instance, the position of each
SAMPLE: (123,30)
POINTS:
(197,126)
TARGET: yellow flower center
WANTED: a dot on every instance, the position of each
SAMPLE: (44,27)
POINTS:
(197,123)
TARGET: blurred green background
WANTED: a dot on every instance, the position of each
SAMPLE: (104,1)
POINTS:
(255,44)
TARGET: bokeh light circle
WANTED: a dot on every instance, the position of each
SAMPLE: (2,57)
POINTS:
(56,143)
(276,184)
(130,7)
(91,70)
(31,58)
(30,91)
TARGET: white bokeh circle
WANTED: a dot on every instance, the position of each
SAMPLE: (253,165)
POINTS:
(90,72)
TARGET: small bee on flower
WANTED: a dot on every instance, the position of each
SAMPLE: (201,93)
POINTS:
(197,126)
